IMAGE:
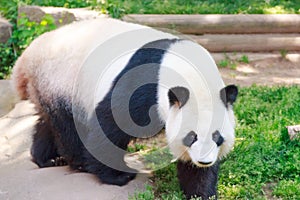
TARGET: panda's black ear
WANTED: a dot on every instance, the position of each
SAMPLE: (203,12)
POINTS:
(229,94)
(178,96)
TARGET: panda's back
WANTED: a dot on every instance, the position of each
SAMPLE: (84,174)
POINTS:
(52,61)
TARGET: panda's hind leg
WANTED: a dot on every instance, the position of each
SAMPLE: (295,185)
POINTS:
(44,147)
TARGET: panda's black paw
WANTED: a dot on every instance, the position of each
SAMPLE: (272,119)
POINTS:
(57,161)
(60,161)
(124,178)
(120,179)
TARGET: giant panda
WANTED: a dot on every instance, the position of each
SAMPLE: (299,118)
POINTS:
(59,73)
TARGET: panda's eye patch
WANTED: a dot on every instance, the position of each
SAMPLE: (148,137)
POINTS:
(217,138)
(189,139)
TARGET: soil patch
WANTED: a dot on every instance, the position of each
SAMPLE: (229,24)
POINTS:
(271,71)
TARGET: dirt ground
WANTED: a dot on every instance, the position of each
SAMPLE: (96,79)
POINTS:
(268,71)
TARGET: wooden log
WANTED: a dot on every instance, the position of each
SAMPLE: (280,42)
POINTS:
(293,57)
(248,43)
(221,24)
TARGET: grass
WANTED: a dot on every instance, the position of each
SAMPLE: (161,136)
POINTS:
(244,59)
(263,153)
(230,63)
(208,6)
(158,158)
(119,7)
(288,189)
(223,63)
(283,53)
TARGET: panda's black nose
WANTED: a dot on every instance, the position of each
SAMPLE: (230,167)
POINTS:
(204,163)
(217,138)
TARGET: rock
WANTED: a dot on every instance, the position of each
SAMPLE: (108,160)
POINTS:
(36,13)
(22,179)
(293,131)
(5,30)
(61,16)
(16,129)
(8,97)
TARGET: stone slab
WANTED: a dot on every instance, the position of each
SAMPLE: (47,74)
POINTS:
(8,97)
(21,179)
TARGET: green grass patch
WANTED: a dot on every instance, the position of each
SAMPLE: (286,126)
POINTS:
(207,7)
(119,7)
(244,59)
(158,158)
(263,152)
(288,189)
(147,194)
(136,147)
(232,63)
(223,63)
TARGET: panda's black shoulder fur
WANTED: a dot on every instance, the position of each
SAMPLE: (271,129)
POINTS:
(149,58)
(65,142)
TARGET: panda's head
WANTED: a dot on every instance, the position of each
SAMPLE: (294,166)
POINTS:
(191,131)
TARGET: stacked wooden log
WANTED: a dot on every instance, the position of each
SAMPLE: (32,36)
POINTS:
(232,33)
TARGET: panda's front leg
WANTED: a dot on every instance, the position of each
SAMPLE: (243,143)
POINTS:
(198,181)
(104,156)
(115,177)
(107,174)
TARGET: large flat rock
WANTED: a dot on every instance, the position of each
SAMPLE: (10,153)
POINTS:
(8,97)
(22,179)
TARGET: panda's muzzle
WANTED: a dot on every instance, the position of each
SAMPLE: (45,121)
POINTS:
(217,138)
(198,156)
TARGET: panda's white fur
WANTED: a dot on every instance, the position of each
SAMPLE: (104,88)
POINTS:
(48,68)
(70,44)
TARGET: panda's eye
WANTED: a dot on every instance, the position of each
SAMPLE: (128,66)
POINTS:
(217,138)
(189,139)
